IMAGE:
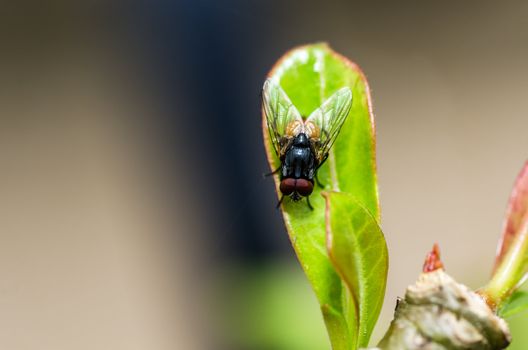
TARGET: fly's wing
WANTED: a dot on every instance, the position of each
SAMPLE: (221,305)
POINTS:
(281,115)
(323,125)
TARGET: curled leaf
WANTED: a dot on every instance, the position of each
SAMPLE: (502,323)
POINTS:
(358,251)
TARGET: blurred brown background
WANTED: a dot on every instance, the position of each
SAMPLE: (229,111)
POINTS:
(133,210)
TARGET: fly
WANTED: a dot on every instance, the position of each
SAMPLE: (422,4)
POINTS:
(302,145)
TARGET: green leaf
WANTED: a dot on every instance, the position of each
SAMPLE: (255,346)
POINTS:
(358,251)
(516,303)
(309,75)
(511,265)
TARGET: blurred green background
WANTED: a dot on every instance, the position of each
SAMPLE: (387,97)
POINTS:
(276,309)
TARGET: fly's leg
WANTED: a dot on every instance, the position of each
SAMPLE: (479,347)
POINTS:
(308,202)
(322,161)
(273,172)
(318,182)
(318,166)
(280,201)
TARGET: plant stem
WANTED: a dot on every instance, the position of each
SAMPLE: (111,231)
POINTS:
(510,273)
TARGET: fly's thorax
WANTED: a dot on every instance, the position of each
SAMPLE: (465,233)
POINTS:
(299,161)
(301,141)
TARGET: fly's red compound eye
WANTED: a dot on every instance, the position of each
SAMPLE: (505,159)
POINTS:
(287,186)
(304,187)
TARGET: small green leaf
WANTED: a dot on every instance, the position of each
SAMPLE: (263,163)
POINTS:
(309,75)
(516,303)
(357,248)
